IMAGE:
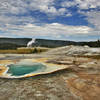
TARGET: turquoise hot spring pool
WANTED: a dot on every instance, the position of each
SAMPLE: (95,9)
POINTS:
(22,69)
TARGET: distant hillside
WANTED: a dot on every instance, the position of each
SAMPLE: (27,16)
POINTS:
(90,43)
(59,43)
(52,43)
(13,43)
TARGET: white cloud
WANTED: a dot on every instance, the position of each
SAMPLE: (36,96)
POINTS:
(82,4)
(13,20)
(69,14)
(23,6)
(86,4)
(54,30)
(68,3)
(47,6)
(12,6)
(11,9)
(14,25)
(93,17)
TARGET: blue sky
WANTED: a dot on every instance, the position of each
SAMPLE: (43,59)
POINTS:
(77,20)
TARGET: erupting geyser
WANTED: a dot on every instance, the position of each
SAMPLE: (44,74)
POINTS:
(29,44)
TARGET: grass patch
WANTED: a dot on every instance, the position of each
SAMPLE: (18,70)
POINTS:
(24,50)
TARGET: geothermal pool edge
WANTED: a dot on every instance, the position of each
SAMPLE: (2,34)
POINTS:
(50,68)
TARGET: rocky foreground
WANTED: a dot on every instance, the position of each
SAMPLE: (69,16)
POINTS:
(80,81)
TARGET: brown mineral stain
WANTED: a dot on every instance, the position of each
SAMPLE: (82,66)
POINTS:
(85,86)
(2,69)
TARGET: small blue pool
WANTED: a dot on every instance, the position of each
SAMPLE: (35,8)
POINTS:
(22,69)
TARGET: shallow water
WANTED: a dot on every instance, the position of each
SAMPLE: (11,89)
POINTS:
(22,69)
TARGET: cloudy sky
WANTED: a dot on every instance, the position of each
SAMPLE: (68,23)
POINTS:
(77,20)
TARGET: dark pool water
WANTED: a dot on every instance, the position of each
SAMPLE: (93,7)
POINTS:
(21,69)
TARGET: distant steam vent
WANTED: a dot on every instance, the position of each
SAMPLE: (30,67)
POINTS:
(30,43)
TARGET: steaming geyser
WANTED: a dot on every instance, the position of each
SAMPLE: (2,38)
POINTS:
(29,44)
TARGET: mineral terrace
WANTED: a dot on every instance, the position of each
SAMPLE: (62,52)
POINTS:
(79,80)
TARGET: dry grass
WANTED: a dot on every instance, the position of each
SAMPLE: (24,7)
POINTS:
(24,50)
